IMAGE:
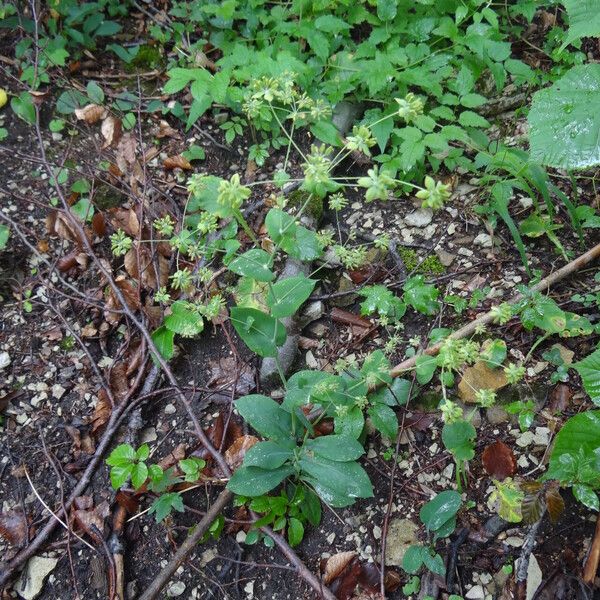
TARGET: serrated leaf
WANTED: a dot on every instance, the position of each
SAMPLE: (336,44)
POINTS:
(564,120)
(584,19)
(165,504)
(589,370)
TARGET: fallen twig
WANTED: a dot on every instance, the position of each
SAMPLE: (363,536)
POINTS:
(546,283)
(523,564)
(591,564)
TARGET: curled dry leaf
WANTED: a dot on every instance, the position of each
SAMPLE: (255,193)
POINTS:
(234,455)
(332,567)
(131,295)
(499,461)
(111,130)
(554,503)
(177,162)
(57,223)
(13,527)
(99,224)
(101,412)
(560,398)
(92,113)
(165,130)
(91,520)
(126,149)
(119,385)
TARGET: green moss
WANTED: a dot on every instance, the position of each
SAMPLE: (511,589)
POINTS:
(298,198)
(148,58)
(430,266)
(107,197)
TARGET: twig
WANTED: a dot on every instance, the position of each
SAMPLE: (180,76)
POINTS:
(187,546)
(523,564)
(591,564)
(546,283)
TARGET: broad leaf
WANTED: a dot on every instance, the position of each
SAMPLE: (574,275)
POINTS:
(267,455)
(439,510)
(255,263)
(261,333)
(335,447)
(163,339)
(584,19)
(564,120)
(458,438)
(384,419)
(589,370)
(286,296)
(394,395)
(266,416)
(254,481)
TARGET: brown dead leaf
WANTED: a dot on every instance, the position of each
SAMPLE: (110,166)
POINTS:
(113,304)
(54,334)
(560,398)
(332,567)
(177,162)
(119,385)
(344,317)
(126,149)
(92,521)
(554,503)
(99,224)
(14,527)
(165,130)
(102,411)
(59,224)
(234,455)
(43,246)
(125,219)
(111,131)
(145,272)
(92,113)
(227,372)
(499,461)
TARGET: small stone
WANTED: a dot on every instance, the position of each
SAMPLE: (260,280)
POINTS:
(514,541)
(34,576)
(496,415)
(525,439)
(4,360)
(476,593)
(446,258)
(58,391)
(480,377)
(541,436)
(534,576)
(311,361)
(170,409)
(377,532)
(484,240)
(175,589)
(419,218)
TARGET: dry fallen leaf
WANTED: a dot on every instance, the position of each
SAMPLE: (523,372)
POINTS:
(125,219)
(177,162)
(499,461)
(92,113)
(101,412)
(145,271)
(234,455)
(99,224)
(165,130)
(334,565)
(125,156)
(13,527)
(560,398)
(111,131)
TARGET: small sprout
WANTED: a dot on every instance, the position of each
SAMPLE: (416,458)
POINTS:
(161,296)
(382,242)
(181,279)
(351,258)
(434,195)
(338,202)
(165,226)
(120,243)
(502,314)
(378,184)
(514,373)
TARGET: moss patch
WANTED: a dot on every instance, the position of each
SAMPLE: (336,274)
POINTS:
(430,266)
(298,198)
(148,58)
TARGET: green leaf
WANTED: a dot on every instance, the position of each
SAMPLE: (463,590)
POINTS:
(4,234)
(331,24)
(494,353)
(254,263)
(163,339)
(425,368)
(122,455)
(378,299)
(107,28)
(286,296)
(254,481)
(295,531)
(311,507)
(69,101)
(83,209)
(120,475)
(94,92)
(394,395)
(587,496)
(458,438)
(143,452)
(468,118)
(434,563)
(184,320)
(442,508)
(384,419)
(327,132)
(265,416)
(178,79)
(387,9)
(564,120)
(589,370)
(267,455)
(420,295)
(260,332)
(414,558)
(349,422)
(584,19)
(335,447)
(337,483)
(164,505)
(281,227)
(23,107)
(139,474)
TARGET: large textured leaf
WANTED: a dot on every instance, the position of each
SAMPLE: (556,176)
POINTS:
(564,120)
(584,19)
(261,333)
(589,370)
(266,416)
(579,433)
(253,481)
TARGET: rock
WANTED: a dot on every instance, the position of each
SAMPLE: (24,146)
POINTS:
(496,415)
(402,534)
(446,258)
(476,593)
(419,218)
(175,589)
(525,439)
(484,240)
(480,377)
(170,409)
(312,312)
(34,576)
(4,360)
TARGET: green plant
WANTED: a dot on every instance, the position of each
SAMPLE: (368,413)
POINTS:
(439,517)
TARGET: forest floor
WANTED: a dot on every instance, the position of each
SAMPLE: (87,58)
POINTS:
(53,418)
